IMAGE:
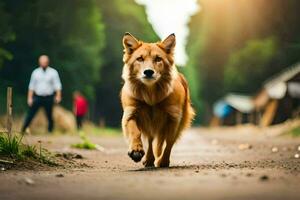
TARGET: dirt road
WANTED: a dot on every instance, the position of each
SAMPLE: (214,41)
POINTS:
(206,164)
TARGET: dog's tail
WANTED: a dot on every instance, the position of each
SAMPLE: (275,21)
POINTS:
(188,111)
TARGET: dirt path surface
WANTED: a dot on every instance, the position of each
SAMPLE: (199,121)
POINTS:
(206,164)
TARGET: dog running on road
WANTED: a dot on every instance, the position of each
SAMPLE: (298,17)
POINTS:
(155,99)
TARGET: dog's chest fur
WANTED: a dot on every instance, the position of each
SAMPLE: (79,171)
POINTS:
(152,119)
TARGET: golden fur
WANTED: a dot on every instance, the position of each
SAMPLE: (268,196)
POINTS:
(157,108)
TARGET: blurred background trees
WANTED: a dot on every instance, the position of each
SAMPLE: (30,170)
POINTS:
(233,47)
(84,42)
(70,32)
(6,34)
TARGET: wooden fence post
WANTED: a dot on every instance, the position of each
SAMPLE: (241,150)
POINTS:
(9,107)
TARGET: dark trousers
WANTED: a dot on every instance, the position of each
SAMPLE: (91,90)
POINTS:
(40,101)
(79,120)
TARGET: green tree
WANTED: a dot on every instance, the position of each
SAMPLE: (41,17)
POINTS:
(6,34)
(246,69)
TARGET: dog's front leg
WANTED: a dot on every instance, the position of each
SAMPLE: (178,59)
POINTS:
(133,134)
(164,160)
(149,158)
(171,135)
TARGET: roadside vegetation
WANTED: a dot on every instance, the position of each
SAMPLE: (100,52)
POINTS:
(90,129)
(85,144)
(295,132)
(13,150)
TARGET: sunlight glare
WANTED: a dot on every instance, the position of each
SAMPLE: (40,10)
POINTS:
(171,16)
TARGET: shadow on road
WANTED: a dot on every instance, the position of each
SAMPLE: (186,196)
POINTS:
(178,167)
(284,164)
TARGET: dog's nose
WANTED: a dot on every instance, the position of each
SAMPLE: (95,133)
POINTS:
(148,73)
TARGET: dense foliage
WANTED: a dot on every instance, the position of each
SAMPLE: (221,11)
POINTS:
(235,45)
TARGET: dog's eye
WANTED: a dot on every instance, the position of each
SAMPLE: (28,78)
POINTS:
(140,59)
(157,59)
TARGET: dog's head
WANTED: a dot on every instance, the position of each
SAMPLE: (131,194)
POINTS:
(148,63)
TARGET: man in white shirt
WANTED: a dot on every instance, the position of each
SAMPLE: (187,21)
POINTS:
(44,89)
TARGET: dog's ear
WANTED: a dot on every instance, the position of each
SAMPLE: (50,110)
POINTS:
(169,43)
(130,43)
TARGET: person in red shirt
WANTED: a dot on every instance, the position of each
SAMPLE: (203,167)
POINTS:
(80,108)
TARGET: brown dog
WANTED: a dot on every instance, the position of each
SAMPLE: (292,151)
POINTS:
(155,99)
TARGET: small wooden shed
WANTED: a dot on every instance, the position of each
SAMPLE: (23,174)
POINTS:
(233,109)
(279,98)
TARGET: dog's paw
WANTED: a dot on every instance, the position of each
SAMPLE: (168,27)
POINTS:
(162,163)
(135,155)
(148,163)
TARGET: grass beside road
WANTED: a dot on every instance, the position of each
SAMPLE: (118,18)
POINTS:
(13,150)
(85,144)
(295,132)
(90,128)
